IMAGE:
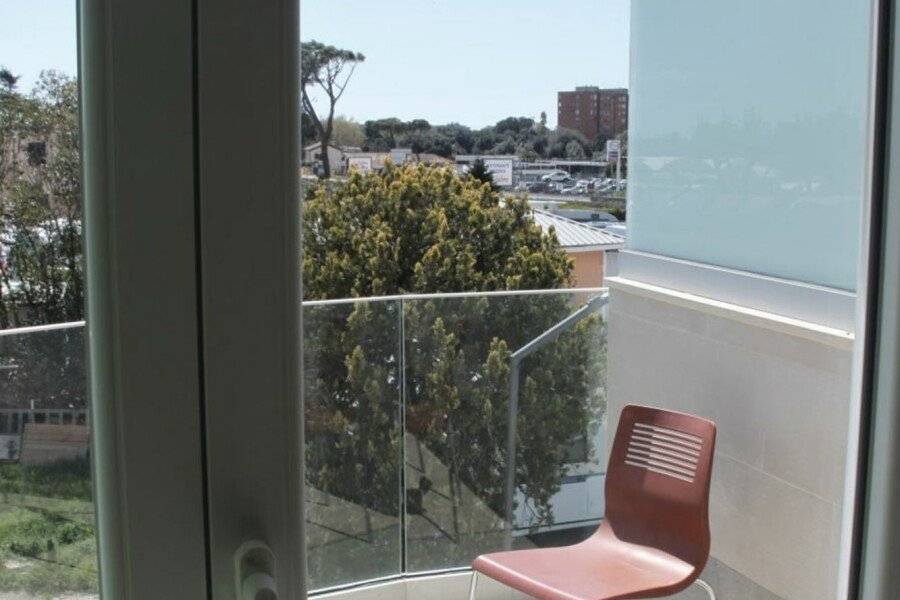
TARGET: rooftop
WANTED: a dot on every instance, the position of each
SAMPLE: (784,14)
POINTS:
(573,235)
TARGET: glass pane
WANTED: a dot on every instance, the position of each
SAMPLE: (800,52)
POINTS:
(748,149)
(750,158)
(47,540)
(743,138)
(460,353)
(353,455)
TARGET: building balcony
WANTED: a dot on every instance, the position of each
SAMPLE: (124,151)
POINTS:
(440,427)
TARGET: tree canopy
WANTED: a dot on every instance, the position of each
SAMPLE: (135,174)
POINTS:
(41,277)
(480,172)
(425,229)
(347,133)
(522,136)
(417,229)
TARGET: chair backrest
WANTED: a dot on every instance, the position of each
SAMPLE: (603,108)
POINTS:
(657,482)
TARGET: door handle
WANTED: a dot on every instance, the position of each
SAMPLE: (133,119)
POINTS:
(254,572)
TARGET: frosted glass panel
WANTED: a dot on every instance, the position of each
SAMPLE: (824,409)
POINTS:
(748,135)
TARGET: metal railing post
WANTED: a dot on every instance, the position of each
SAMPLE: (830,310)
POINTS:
(511,433)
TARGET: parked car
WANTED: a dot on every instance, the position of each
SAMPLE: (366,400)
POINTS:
(580,187)
(556,176)
(537,187)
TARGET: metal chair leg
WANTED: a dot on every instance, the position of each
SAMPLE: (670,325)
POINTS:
(475,582)
(706,588)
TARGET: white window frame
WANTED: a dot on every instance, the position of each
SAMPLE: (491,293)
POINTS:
(137,150)
(189,114)
(190,149)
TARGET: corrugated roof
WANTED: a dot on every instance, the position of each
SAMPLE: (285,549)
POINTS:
(573,235)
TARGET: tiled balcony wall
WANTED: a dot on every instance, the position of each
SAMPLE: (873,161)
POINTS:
(780,400)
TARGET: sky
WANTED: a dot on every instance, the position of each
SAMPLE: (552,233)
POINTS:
(471,61)
(467,61)
(37,35)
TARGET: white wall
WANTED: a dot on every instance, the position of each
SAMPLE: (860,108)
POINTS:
(779,394)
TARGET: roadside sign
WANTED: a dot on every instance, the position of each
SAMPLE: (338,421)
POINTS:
(501,169)
(613,150)
(363,164)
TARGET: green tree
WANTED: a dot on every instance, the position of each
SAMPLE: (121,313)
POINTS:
(560,139)
(41,276)
(506,146)
(382,134)
(461,136)
(480,172)
(347,133)
(523,136)
(574,151)
(8,81)
(526,153)
(514,125)
(431,141)
(423,229)
(419,229)
(328,70)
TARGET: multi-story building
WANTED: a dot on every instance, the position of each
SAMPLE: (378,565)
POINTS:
(594,112)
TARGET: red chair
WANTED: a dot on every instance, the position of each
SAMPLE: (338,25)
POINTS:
(654,539)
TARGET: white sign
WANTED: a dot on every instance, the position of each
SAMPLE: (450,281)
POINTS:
(363,164)
(501,169)
(613,150)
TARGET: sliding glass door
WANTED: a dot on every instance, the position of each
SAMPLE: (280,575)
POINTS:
(364,306)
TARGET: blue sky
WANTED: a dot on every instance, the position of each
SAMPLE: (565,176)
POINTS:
(470,61)
(37,35)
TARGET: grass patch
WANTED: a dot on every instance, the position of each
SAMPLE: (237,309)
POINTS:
(64,480)
(47,541)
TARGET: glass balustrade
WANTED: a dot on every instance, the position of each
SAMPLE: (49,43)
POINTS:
(414,406)
(47,538)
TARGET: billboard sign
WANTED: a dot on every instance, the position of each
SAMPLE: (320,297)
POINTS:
(613,150)
(501,169)
(363,164)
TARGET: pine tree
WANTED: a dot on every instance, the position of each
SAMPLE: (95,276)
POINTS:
(480,172)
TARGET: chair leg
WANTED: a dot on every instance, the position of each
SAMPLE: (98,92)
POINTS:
(475,583)
(706,588)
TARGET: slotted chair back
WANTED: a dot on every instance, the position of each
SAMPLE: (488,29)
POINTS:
(658,479)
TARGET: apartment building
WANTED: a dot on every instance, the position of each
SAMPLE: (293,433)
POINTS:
(594,112)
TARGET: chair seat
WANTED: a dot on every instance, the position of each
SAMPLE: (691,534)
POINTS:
(600,568)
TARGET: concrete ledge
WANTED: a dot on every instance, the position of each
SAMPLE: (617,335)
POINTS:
(795,299)
(838,338)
